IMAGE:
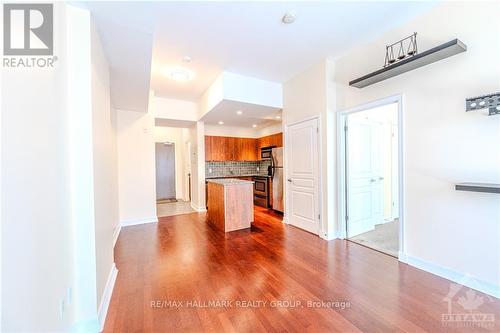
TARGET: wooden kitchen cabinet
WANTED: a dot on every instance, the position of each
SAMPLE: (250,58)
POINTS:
(224,148)
(246,149)
(270,140)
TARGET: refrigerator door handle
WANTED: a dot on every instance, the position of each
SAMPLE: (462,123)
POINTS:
(272,165)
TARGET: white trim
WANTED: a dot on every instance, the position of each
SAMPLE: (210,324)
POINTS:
(127,223)
(341,172)
(447,273)
(331,237)
(198,209)
(106,297)
(286,213)
(116,233)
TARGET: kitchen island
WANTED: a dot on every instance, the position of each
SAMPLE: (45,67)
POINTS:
(230,204)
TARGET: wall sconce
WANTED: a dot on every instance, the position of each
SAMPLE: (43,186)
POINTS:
(490,102)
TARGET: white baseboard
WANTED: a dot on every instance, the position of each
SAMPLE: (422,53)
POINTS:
(106,297)
(402,257)
(198,209)
(139,221)
(116,234)
(460,278)
(329,237)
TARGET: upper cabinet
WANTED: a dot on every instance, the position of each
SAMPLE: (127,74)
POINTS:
(270,140)
(223,148)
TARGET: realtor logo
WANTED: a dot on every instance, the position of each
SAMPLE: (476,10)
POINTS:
(28,29)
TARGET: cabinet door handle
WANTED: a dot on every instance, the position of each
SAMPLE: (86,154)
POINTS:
(289,180)
(373,180)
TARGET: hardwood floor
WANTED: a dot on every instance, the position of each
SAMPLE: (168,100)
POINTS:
(183,259)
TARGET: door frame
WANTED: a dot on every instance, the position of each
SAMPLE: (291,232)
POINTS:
(286,139)
(342,172)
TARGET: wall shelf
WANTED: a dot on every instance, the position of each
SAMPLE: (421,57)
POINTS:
(428,57)
(478,187)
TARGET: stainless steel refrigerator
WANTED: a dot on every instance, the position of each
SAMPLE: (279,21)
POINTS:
(277,175)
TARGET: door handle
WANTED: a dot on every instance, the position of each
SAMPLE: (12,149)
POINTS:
(289,180)
(380,178)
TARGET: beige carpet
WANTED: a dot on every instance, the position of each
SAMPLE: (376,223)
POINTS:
(384,238)
(174,208)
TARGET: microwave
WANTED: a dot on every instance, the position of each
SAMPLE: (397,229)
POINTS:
(266,153)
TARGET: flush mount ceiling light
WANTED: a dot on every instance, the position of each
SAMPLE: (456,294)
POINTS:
(186,59)
(254,125)
(239,112)
(221,123)
(179,74)
(278,117)
(288,18)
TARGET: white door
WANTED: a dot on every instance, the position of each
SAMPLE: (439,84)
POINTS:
(365,190)
(303,175)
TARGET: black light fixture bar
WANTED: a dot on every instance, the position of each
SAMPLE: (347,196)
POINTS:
(422,59)
(478,187)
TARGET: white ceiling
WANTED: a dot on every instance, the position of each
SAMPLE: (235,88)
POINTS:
(225,111)
(247,38)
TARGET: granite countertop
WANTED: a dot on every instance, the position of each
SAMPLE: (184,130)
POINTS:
(229,181)
(236,176)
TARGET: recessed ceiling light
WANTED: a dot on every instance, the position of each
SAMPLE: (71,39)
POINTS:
(179,74)
(288,18)
(254,125)
(239,112)
(278,117)
(221,123)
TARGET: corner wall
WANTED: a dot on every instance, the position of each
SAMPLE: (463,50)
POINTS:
(305,96)
(105,167)
(136,167)
(449,232)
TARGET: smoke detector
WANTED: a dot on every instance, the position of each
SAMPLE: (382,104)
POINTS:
(288,18)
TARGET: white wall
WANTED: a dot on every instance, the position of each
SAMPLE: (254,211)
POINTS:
(105,166)
(37,255)
(251,90)
(242,132)
(177,109)
(269,130)
(176,135)
(451,230)
(196,136)
(223,130)
(235,87)
(58,199)
(136,167)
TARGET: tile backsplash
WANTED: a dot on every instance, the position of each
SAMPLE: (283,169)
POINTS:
(236,168)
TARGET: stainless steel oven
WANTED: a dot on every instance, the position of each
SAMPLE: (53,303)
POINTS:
(260,191)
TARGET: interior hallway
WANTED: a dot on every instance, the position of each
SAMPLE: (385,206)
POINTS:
(174,208)
(182,259)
